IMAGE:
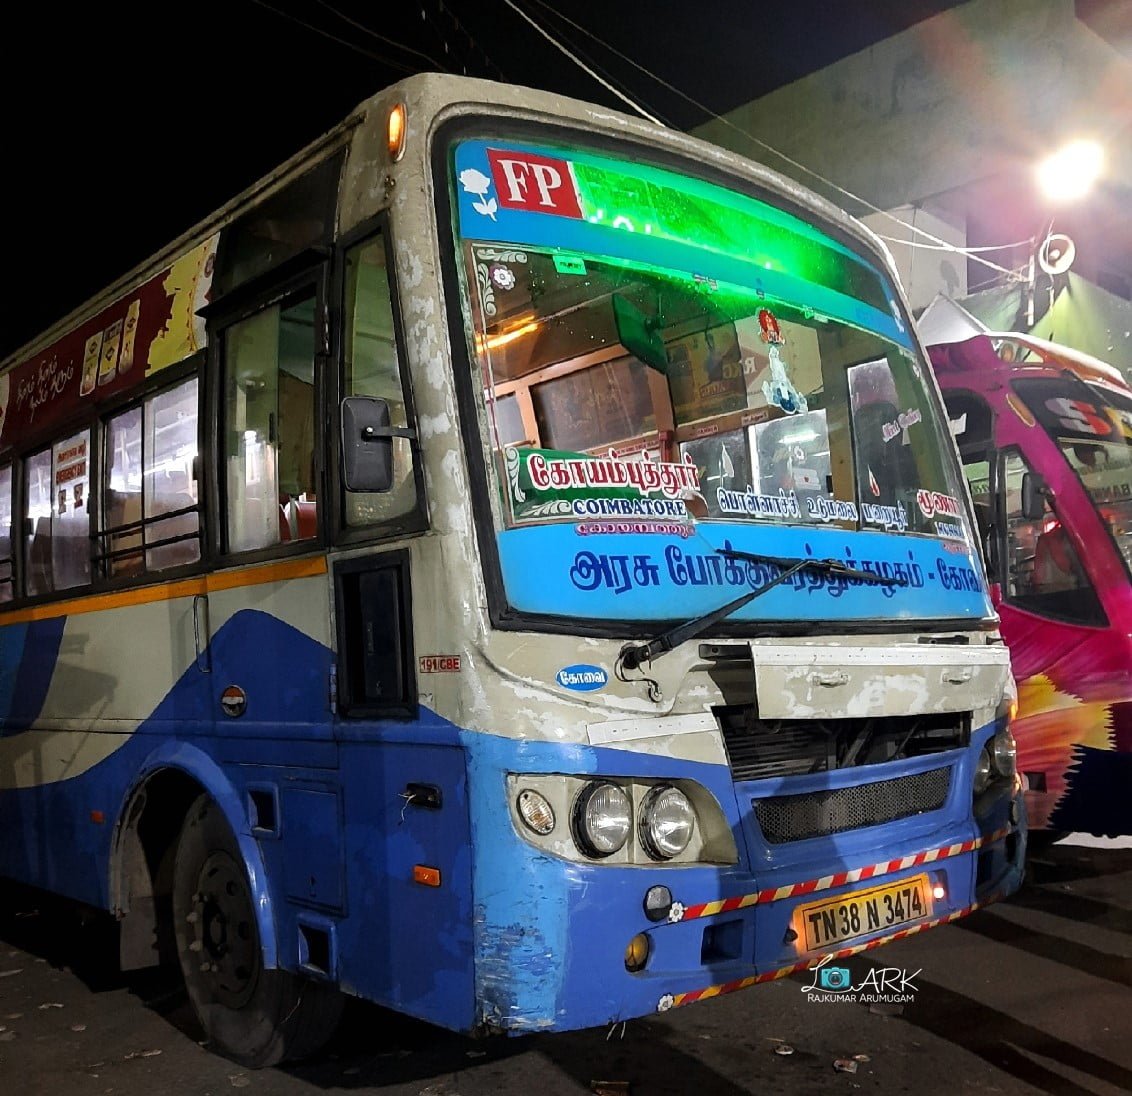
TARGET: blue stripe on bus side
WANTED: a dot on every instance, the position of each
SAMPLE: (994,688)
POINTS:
(28,655)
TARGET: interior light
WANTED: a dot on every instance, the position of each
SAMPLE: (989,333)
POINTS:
(494,341)
(396,133)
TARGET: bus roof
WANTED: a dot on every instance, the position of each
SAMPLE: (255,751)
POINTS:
(433,96)
(981,355)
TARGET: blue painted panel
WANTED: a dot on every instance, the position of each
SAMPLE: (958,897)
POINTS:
(312,846)
(28,654)
(404,944)
(651,577)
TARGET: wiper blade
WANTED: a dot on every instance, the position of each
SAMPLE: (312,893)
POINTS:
(826,566)
(635,654)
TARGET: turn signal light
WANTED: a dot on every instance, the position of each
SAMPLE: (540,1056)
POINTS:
(395,137)
(429,877)
(637,953)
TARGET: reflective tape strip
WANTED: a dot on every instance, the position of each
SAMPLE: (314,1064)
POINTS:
(828,882)
(675,1000)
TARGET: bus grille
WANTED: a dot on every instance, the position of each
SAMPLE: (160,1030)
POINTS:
(760,748)
(816,814)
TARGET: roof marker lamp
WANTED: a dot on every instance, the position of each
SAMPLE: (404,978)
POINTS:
(395,133)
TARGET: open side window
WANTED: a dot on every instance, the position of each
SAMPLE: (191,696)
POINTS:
(1043,572)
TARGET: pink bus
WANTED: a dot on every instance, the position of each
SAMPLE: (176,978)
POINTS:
(1045,435)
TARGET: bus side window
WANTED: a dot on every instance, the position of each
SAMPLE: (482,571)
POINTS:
(1044,573)
(372,368)
(149,486)
(7,577)
(57,513)
(269,426)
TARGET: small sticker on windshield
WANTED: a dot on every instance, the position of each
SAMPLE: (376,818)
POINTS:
(569,264)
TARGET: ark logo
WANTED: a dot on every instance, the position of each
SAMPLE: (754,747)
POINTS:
(582,678)
(888,985)
(534,184)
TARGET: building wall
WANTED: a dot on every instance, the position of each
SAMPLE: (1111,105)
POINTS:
(961,96)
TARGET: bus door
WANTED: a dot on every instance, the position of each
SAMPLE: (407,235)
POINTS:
(268,651)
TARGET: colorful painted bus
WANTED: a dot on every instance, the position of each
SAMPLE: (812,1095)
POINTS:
(511,566)
(1045,434)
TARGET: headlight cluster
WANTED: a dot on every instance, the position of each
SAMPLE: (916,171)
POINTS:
(998,758)
(603,818)
(603,821)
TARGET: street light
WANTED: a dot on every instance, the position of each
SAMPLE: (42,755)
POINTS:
(1070,172)
(1065,176)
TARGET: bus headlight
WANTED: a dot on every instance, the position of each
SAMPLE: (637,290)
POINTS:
(983,770)
(1005,752)
(603,817)
(667,822)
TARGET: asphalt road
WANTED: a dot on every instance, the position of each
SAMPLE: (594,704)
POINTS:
(1033,995)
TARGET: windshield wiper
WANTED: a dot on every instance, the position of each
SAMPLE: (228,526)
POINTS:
(826,566)
(634,655)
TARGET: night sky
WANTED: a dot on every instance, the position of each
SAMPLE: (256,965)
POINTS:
(124,129)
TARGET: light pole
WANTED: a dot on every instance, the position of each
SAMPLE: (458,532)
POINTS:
(1065,176)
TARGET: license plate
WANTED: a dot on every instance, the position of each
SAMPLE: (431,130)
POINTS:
(863,912)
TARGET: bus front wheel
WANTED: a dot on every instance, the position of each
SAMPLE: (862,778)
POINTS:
(253,1015)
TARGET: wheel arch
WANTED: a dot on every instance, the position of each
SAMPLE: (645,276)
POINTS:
(144,841)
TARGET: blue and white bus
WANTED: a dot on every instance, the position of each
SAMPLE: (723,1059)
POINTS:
(510,565)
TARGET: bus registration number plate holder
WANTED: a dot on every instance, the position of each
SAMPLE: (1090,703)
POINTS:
(862,912)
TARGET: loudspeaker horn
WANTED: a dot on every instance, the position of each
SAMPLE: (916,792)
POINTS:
(1056,254)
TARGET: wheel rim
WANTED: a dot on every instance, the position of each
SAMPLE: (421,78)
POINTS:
(223,940)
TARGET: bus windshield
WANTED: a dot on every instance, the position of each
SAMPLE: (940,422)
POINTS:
(758,365)
(1092,426)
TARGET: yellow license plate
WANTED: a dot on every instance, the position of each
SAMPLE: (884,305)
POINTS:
(863,912)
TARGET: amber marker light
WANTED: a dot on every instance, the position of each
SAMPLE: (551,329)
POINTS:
(395,136)
(429,877)
(637,953)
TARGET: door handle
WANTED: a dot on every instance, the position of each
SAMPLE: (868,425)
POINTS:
(200,628)
(829,679)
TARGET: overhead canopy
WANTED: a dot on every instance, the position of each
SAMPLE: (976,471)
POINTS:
(1090,319)
(945,321)
(1083,316)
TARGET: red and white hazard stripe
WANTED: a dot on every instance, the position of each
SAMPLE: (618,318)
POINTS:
(675,1000)
(828,882)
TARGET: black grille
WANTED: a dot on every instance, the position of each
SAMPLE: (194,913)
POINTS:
(759,748)
(815,814)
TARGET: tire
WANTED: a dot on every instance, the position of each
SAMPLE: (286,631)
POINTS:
(255,1016)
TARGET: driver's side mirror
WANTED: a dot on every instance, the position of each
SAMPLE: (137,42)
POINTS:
(367,443)
(1034,493)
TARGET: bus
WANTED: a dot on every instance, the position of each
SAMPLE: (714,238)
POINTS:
(1045,434)
(511,566)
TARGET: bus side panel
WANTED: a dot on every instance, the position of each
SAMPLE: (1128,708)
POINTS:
(83,699)
(407,942)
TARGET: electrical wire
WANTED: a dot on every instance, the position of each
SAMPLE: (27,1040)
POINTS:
(943,244)
(445,10)
(584,67)
(389,61)
(653,112)
(380,37)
